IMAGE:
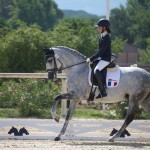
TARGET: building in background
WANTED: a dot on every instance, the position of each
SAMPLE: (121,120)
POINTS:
(129,56)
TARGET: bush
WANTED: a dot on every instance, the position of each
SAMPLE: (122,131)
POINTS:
(21,49)
(80,34)
(121,111)
(32,97)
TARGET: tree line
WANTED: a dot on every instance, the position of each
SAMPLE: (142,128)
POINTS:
(131,22)
(26,26)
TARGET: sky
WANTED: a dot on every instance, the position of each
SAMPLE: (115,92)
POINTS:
(97,7)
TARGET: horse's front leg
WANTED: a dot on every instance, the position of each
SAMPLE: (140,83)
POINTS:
(67,119)
(133,104)
(68,95)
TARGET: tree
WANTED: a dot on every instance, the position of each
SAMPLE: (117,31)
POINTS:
(138,15)
(120,23)
(76,33)
(81,35)
(21,49)
(4,28)
(117,45)
(4,9)
(145,54)
(132,22)
(44,13)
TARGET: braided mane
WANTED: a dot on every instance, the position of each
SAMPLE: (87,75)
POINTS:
(75,52)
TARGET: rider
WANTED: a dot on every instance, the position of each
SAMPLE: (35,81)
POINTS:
(103,54)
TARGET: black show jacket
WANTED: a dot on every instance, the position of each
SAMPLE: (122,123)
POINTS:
(104,51)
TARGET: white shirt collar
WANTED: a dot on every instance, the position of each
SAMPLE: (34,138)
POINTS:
(104,33)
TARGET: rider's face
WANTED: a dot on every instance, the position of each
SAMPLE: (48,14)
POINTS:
(100,29)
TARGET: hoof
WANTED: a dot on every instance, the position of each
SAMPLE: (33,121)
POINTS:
(111,140)
(57,119)
(57,139)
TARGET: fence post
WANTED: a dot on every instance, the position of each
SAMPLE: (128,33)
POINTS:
(64,102)
(103,106)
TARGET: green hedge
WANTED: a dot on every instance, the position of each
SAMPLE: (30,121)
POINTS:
(32,96)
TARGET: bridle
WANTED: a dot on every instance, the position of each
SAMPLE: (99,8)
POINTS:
(55,64)
(50,54)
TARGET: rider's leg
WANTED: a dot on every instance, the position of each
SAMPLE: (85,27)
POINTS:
(99,78)
(97,71)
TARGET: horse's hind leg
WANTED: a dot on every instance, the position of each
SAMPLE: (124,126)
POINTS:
(67,119)
(133,105)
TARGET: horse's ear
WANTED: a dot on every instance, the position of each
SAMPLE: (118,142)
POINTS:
(45,50)
(48,50)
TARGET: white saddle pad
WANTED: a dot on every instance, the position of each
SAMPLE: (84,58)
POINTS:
(112,77)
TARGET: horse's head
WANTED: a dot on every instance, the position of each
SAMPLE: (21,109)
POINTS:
(13,130)
(52,63)
(23,130)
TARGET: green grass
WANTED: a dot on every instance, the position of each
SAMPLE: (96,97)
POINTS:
(92,113)
(81,112)
(9,113)
(145,116)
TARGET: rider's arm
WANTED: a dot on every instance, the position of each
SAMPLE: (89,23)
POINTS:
(95,56)
(105,46)
(100,52)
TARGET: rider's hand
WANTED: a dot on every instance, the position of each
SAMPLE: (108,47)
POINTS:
(88,60)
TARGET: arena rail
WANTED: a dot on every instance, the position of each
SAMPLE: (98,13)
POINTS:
(29,75)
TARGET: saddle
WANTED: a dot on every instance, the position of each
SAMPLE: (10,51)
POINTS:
(110,66)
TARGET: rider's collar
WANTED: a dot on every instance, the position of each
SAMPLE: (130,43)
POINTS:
(104,33)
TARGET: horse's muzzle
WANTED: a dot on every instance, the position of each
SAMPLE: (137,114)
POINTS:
(51,75)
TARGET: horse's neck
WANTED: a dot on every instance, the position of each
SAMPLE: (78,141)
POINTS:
(68,59)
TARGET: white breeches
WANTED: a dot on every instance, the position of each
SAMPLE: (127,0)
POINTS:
(101,65)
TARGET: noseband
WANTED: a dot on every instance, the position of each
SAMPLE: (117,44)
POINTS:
(50,54)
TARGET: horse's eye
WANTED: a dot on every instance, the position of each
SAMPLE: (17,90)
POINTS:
(50,60)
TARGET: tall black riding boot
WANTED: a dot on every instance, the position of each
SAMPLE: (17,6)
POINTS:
(99,78)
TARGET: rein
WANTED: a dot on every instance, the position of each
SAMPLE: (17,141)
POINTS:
(82,63)
(55,65)
(71,66)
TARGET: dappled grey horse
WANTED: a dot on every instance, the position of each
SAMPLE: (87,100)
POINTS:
(134,85)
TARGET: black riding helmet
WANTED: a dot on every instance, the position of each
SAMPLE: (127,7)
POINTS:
(103,22)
